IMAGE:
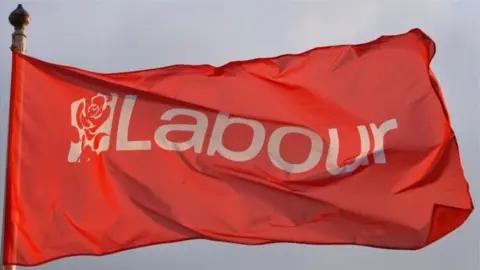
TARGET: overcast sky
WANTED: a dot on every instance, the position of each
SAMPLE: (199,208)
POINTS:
(121,35)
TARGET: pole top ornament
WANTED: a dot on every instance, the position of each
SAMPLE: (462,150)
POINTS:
(19,18)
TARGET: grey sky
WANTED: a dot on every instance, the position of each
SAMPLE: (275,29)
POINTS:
(120,35)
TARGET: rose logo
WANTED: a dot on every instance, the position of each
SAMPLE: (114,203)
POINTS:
(90,117)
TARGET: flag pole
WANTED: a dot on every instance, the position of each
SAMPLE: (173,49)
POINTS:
(19,19)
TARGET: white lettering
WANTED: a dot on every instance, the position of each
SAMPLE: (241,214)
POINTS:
(334,148)
(216,141)
(378,136)
(313,158)
(123,144)
(199,130)
(333,165)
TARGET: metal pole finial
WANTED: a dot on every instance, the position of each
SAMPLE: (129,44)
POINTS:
(19,19)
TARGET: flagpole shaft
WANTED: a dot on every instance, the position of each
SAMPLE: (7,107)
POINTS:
(19,19)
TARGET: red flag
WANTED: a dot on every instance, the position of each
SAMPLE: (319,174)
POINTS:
(337,145)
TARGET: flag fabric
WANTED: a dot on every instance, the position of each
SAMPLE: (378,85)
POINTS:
(348,144)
